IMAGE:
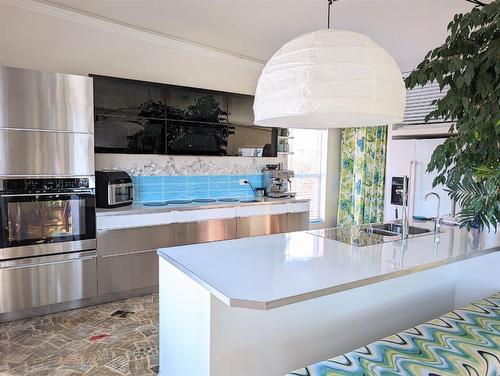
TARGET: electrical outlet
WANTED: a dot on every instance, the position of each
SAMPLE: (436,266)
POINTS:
(243,181)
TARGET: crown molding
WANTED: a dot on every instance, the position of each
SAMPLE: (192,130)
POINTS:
(106,24)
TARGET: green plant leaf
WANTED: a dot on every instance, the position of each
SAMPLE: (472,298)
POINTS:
(468,64)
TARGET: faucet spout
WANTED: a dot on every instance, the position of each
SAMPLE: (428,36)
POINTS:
(404,217)
(437,224)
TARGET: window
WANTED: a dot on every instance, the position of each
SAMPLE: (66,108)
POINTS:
(308,161)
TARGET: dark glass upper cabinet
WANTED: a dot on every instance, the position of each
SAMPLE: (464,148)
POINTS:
(119,97)
(149,118)
(197,105)
(116,134)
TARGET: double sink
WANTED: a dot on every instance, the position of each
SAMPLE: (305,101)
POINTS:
(394,229)
(366,235)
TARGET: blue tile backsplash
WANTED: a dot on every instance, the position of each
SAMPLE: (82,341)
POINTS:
(161,188)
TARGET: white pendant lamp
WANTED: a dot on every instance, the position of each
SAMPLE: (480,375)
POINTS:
(330,79)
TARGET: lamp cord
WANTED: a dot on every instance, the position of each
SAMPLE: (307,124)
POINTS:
(330,2)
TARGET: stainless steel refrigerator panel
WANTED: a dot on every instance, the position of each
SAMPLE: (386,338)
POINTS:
(205,231)
(34,153)
(44,100)
(297,221)
(111,242)
(127,272)
(36,282)
(262,225)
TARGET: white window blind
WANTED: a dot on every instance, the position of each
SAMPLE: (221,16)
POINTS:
(419,103)
(308,161)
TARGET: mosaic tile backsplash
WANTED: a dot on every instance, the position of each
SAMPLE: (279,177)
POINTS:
(161,188)
(187,166)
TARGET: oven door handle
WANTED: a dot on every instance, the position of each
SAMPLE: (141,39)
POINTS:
(46,260)
(79,193)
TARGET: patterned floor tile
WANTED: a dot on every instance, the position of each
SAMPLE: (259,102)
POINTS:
(119,338)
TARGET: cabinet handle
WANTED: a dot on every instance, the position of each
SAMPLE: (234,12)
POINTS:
(43,263)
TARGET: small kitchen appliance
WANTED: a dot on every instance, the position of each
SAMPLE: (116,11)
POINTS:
(277,182)
(113,189)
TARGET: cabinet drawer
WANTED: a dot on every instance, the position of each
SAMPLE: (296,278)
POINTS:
(298,221)
(120,273)
(40,281)
(111,242)
(262,225)
(205,231)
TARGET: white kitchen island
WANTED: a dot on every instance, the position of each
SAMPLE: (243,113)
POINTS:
(267,305)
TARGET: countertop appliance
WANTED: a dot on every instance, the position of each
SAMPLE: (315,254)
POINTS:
(47,192)
(277,182)
(113,189)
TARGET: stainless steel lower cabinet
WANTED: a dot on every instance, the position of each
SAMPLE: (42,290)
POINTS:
(297,221)
(120,241)
(127,272)
(127,257)
(205,231)
(39,281)
(262,225)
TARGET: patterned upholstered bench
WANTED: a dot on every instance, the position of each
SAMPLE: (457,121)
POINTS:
(462,342)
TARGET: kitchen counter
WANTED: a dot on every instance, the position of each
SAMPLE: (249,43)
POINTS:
(141,209)
(270,304)
(138,215)
(271,271)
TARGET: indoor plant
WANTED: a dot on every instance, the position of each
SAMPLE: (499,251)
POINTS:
(468,63)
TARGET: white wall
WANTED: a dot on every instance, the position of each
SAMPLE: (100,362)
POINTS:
(29,39)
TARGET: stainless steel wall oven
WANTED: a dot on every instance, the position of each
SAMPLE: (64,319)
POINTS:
(46,216)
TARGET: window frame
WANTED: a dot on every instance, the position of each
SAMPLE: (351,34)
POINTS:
(321,175)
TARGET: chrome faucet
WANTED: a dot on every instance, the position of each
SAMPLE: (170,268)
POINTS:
(437,224)
(404,215)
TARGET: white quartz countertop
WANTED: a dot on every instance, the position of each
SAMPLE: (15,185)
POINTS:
(266,272)
(142,209)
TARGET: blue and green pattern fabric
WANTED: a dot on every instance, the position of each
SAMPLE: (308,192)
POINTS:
(362,174)
(463,342)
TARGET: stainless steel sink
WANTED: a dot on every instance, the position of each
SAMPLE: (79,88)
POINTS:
(366,235)
(392,229)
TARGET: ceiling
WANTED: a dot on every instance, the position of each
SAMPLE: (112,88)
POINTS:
(257,28)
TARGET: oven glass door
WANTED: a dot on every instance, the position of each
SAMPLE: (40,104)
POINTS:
(29,219)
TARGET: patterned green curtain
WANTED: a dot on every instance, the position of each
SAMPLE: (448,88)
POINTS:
(361,196)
